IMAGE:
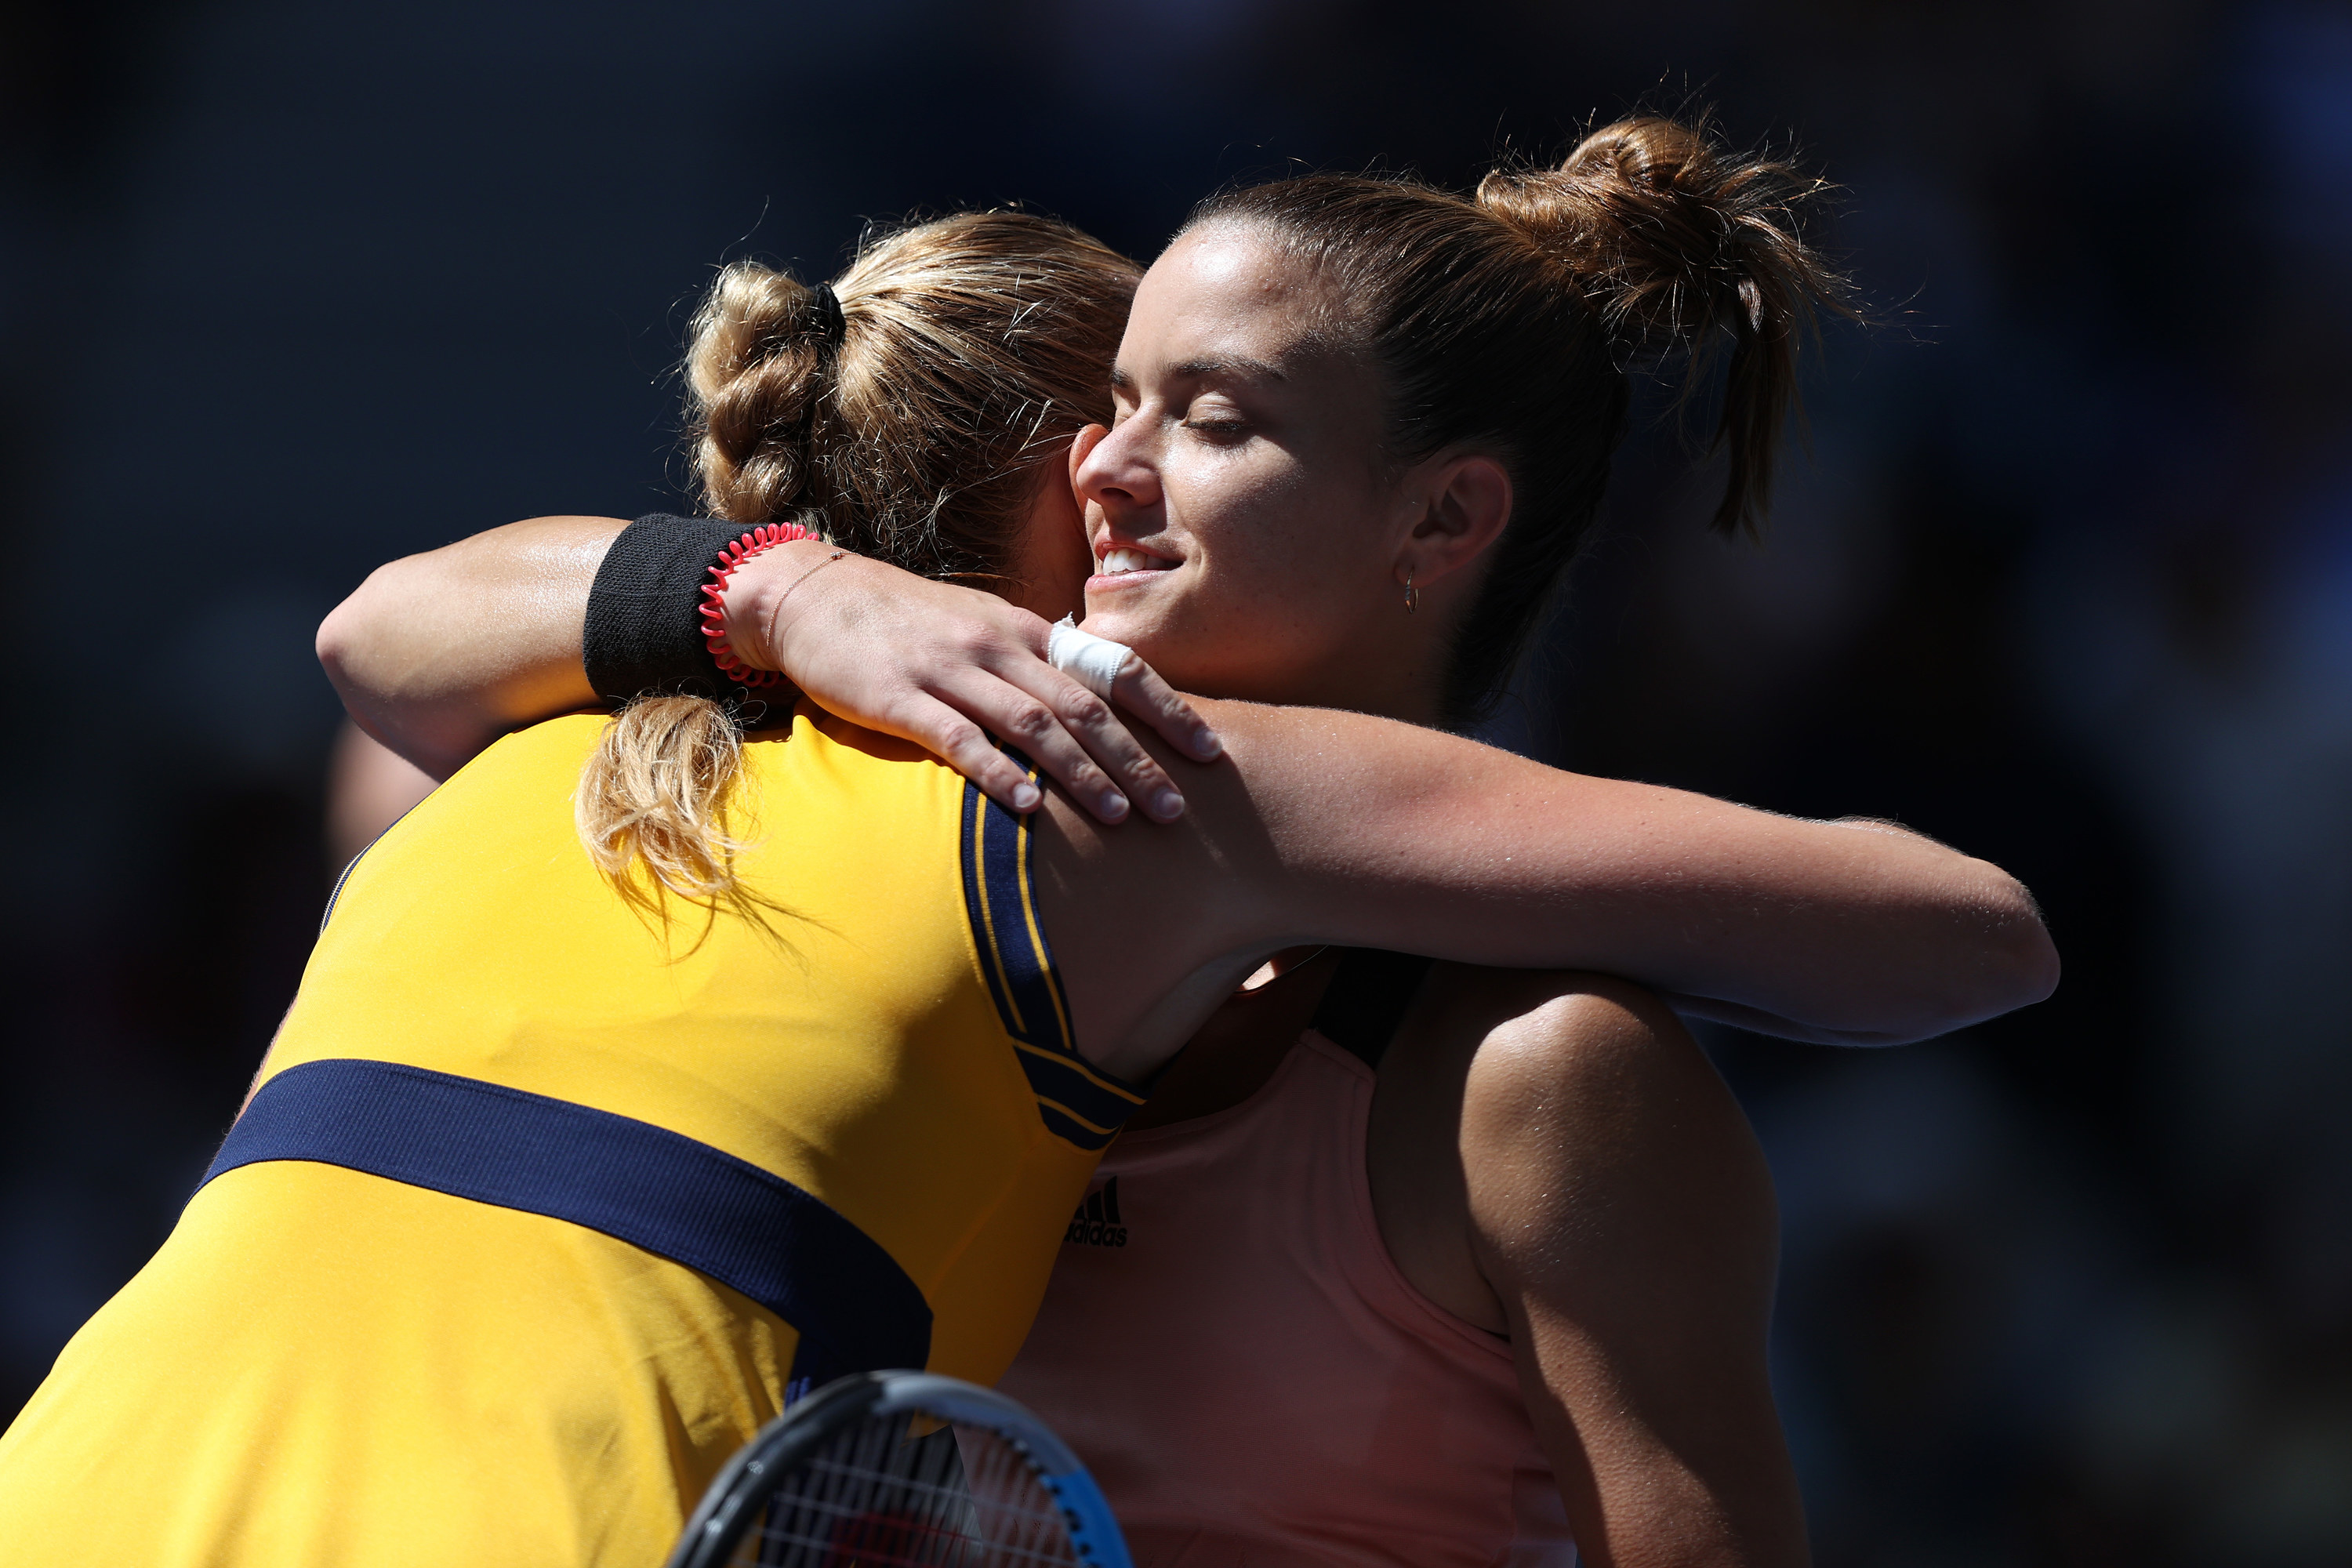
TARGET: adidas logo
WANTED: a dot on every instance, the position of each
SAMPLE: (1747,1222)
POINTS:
(1097,1223)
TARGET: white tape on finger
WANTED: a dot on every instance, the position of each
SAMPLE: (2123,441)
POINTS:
(1095,663)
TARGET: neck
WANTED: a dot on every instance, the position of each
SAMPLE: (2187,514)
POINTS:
(1398,672)
(1414,695)
(1397,668)
(1397,681)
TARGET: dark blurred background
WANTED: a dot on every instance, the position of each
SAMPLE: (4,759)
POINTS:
(2067,580)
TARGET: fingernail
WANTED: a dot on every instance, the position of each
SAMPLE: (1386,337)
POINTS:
(1167,806)
(1114,807)
(1026,796)
(1208,746)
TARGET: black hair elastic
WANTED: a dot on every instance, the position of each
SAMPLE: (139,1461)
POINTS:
(830,325)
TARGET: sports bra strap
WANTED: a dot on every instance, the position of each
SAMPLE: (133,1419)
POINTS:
(1366,1000)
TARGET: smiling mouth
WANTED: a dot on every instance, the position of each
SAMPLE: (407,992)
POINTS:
(1121,562)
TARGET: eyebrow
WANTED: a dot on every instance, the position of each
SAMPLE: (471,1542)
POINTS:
(1253,369)
(1204,369)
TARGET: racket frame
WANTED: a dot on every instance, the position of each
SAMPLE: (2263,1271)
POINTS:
(802,1431)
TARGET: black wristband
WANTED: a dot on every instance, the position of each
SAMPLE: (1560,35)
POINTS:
(644,632)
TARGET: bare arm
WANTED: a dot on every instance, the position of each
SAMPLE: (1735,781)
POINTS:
(437,654)
(1344,828)
(1622,1215)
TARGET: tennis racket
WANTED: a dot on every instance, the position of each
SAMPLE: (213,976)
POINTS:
(895,1470)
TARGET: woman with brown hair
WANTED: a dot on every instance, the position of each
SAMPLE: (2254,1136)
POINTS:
(1278,424)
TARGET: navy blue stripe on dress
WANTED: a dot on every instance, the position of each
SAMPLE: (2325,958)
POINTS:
(1020,968)
(1074,1100)
(855,1309)
(1077,1103)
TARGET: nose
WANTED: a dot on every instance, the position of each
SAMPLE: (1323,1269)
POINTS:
(1114,469)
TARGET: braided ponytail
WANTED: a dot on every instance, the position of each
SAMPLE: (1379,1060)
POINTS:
(907,411)
(1507,323)
(757,373)
(656,797)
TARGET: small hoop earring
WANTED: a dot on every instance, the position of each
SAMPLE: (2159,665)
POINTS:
(1412,594)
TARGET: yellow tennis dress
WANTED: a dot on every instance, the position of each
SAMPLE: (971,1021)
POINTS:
(536,1215)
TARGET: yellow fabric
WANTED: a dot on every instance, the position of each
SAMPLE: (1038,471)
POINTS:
(324,1367)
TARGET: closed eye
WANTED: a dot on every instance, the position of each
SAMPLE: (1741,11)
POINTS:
(1222,431)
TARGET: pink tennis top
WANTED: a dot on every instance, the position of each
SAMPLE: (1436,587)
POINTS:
(1230,1348)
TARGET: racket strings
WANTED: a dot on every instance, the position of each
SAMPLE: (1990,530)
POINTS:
(877,1496)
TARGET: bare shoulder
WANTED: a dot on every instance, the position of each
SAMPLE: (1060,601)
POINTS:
(1619,1216)
(1481,1076)
(1512,1041)
(1568,1044)
(1556,1140)
(1589,1092)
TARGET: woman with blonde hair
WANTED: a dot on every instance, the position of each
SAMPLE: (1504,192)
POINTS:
(534,1214)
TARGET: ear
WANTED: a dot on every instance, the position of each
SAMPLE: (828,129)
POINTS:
(1464,501)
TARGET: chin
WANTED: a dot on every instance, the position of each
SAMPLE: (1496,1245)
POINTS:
(1162,634)
(1140,633)
(1111,621)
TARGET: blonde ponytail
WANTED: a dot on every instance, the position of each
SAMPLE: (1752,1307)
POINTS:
(913,425)
(654,803)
